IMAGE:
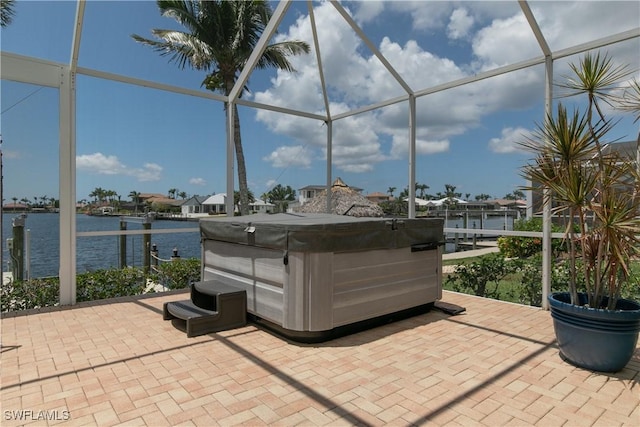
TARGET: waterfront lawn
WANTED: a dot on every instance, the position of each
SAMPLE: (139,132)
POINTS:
(493,276)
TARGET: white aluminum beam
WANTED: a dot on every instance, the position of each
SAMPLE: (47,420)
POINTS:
(316,45)
(481,76)
(546,209)
(77,35)
(147,83)
(329,124)
(261,106)
(412,157)
(371,46)
(67,187)
(533,23)
(596,44)
(258,49)
(325,98)
(371,107)
(67,172)
(24,69)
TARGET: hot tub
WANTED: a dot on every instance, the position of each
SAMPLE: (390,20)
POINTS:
(311,275)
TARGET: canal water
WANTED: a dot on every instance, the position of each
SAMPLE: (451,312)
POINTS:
(94,253)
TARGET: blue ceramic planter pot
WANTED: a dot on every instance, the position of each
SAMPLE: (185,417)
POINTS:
(595,339)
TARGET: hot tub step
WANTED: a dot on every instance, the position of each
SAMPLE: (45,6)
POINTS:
(208,294)
(230,312)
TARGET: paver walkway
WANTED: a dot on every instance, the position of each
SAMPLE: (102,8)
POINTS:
(118,363)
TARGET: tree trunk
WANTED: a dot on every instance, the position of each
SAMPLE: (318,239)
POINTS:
(242,169)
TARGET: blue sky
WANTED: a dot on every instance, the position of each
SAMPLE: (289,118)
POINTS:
(137,139)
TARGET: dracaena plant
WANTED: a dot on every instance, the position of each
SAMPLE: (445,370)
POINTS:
(596,187)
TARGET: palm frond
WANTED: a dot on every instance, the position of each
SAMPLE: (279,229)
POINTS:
(594,75)
(7,12)
(629,100)
(275,55)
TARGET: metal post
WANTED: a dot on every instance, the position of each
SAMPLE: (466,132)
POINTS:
(27,254)
(455,239)
(17,252)
(465,225)
(411,212)
(123,244)
(475,235)
(546,210)
(146,245)
(329,163)
(154,255)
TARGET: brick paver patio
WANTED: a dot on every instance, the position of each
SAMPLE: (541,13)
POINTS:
(117,362)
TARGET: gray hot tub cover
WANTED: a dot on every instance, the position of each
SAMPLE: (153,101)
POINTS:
(322,232)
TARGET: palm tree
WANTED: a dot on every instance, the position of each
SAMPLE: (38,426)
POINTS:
(135,198)
(220,37)
(237,201)
(390,191)
(6,12)
(172,193)
(98,194)
(422,188)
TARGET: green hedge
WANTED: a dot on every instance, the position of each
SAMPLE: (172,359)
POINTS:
(524,247)
(99,284)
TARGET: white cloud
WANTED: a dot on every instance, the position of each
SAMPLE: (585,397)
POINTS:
(433,15)
(459,24)
(198,181)
(284,157)
(149,172)
(400,146)
(509,139)
(367,11)
(504,42)
(101,164)
(495,32)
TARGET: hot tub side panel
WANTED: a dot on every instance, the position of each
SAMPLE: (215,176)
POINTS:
(375,283)
(259,271)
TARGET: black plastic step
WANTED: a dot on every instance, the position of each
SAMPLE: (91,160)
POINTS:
(185,310)
(214,307)
(205,294)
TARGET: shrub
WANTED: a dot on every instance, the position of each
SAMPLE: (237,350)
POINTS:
(477,277)
(524,247)
(177,274)
(101,284)
(95,285)
(531,286)
(26,294)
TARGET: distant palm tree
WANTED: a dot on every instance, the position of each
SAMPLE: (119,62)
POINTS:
(390,191)
(172,193)
(98,194)
(422,188)
(220,37)
(135,198)
(6,12)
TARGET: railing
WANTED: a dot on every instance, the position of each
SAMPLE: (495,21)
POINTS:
(156,261)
